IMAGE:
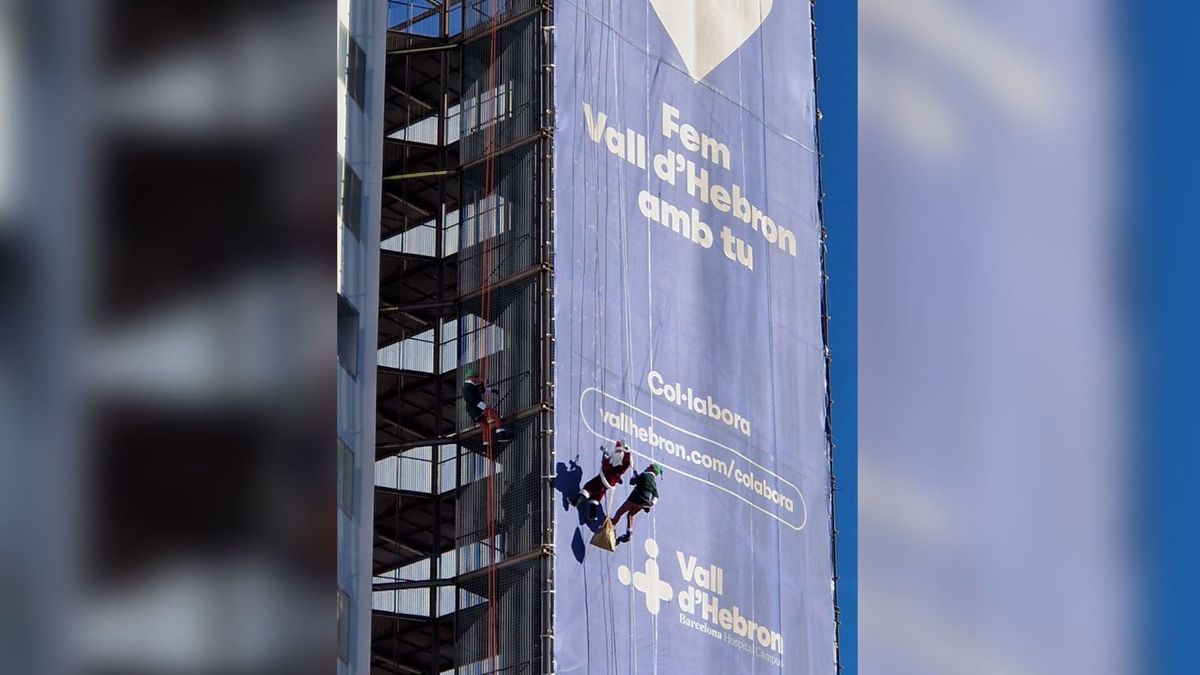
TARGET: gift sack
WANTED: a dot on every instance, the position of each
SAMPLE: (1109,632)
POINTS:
(606,536)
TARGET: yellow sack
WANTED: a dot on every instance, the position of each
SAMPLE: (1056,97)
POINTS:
(606,536)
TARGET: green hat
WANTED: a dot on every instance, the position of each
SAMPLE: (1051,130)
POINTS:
(472,371)
(656,469)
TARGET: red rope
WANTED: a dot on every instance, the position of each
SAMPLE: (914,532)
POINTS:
(485,321)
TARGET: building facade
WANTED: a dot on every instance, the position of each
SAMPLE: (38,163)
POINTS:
(608,213)
(362,34)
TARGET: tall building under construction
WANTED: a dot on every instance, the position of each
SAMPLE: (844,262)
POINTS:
(563,225)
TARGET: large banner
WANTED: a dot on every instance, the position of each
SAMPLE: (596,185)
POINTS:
(688,325)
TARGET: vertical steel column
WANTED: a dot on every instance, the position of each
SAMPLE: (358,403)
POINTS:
(458,323)
(545,201)
(435,452)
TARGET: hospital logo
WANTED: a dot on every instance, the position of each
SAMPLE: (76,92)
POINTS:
(648,581)
(707,32)
(703,604)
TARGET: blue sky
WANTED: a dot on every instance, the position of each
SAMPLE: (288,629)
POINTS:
(837,99)
(1164,144)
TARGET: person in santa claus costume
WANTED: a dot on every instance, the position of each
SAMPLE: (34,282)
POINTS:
(613,465)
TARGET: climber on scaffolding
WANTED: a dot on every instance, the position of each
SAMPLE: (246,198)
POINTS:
(485,415)
(643,498)
(613,465)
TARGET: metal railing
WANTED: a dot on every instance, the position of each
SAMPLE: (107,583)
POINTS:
(425,17)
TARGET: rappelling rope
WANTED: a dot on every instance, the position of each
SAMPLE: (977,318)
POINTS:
(612,607)
(604,202)
(483,331)
(591,292)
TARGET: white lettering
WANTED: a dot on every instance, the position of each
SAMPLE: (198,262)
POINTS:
(595,125)
(713,611)
(692,139)
(687,398)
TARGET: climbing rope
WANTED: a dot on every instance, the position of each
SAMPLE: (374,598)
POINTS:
(493,628)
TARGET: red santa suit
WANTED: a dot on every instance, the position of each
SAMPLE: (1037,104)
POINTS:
(613,465)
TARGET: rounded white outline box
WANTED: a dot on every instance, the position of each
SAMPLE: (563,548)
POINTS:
(780,480)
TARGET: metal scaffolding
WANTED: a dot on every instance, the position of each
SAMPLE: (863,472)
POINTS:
(463,554)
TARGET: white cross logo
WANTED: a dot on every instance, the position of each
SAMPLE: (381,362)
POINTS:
(648,582)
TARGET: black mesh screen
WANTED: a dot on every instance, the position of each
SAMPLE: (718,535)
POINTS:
(500,98)
(488,290)
(479,13)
